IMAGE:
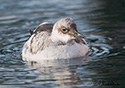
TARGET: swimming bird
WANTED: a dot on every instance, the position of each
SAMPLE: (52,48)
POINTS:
(55,41)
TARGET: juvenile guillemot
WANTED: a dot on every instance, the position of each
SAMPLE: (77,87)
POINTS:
(55,41)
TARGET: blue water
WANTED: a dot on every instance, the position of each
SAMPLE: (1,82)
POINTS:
(101,21)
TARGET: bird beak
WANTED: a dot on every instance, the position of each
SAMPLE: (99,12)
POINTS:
(78,35)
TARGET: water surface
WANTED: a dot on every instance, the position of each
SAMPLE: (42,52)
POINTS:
(101,21)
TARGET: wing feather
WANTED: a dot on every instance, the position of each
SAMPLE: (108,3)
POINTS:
(39,38)
(44,27)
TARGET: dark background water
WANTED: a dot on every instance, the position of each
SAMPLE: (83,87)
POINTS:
(101,21)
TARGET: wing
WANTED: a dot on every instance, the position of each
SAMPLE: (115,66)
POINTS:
(43,27)
(39,41)
(39,38)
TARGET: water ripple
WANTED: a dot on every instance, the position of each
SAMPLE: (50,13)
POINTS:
(101,21)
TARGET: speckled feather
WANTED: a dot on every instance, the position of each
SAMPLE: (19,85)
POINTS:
(47,42)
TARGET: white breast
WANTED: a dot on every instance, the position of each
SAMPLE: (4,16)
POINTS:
(58,52)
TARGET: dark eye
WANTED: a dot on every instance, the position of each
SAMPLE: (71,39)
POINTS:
(64,30)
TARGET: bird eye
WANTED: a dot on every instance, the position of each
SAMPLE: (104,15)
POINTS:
(64,30)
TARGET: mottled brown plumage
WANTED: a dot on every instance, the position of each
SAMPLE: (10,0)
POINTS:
(48,38)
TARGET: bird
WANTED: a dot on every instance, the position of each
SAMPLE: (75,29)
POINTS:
(60,40)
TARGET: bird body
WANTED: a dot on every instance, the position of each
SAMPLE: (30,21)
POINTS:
(55,41)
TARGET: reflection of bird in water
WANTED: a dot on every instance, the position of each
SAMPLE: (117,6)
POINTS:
(61,72)
(60,76)
(55,41)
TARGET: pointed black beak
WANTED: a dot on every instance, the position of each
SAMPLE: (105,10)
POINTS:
(78,35)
